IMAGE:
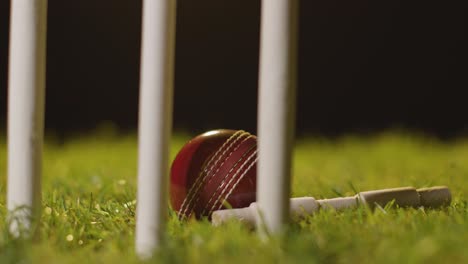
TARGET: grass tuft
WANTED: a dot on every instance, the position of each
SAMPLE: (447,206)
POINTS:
(89,190)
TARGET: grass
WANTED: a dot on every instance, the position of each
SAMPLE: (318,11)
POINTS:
(89,188)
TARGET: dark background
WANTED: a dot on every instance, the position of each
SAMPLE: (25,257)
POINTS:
(363,66)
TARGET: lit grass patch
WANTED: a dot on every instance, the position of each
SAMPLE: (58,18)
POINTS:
(89,189)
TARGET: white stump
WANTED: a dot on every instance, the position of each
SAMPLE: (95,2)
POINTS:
(155,122)
(26,110)
(276,113)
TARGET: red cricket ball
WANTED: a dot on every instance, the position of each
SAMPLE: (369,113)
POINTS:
(213,169)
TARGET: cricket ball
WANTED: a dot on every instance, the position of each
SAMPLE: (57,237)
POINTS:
(213,171)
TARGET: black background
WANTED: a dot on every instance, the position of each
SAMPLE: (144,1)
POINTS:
(363,66)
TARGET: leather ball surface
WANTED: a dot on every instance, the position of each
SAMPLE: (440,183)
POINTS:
(213,171)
